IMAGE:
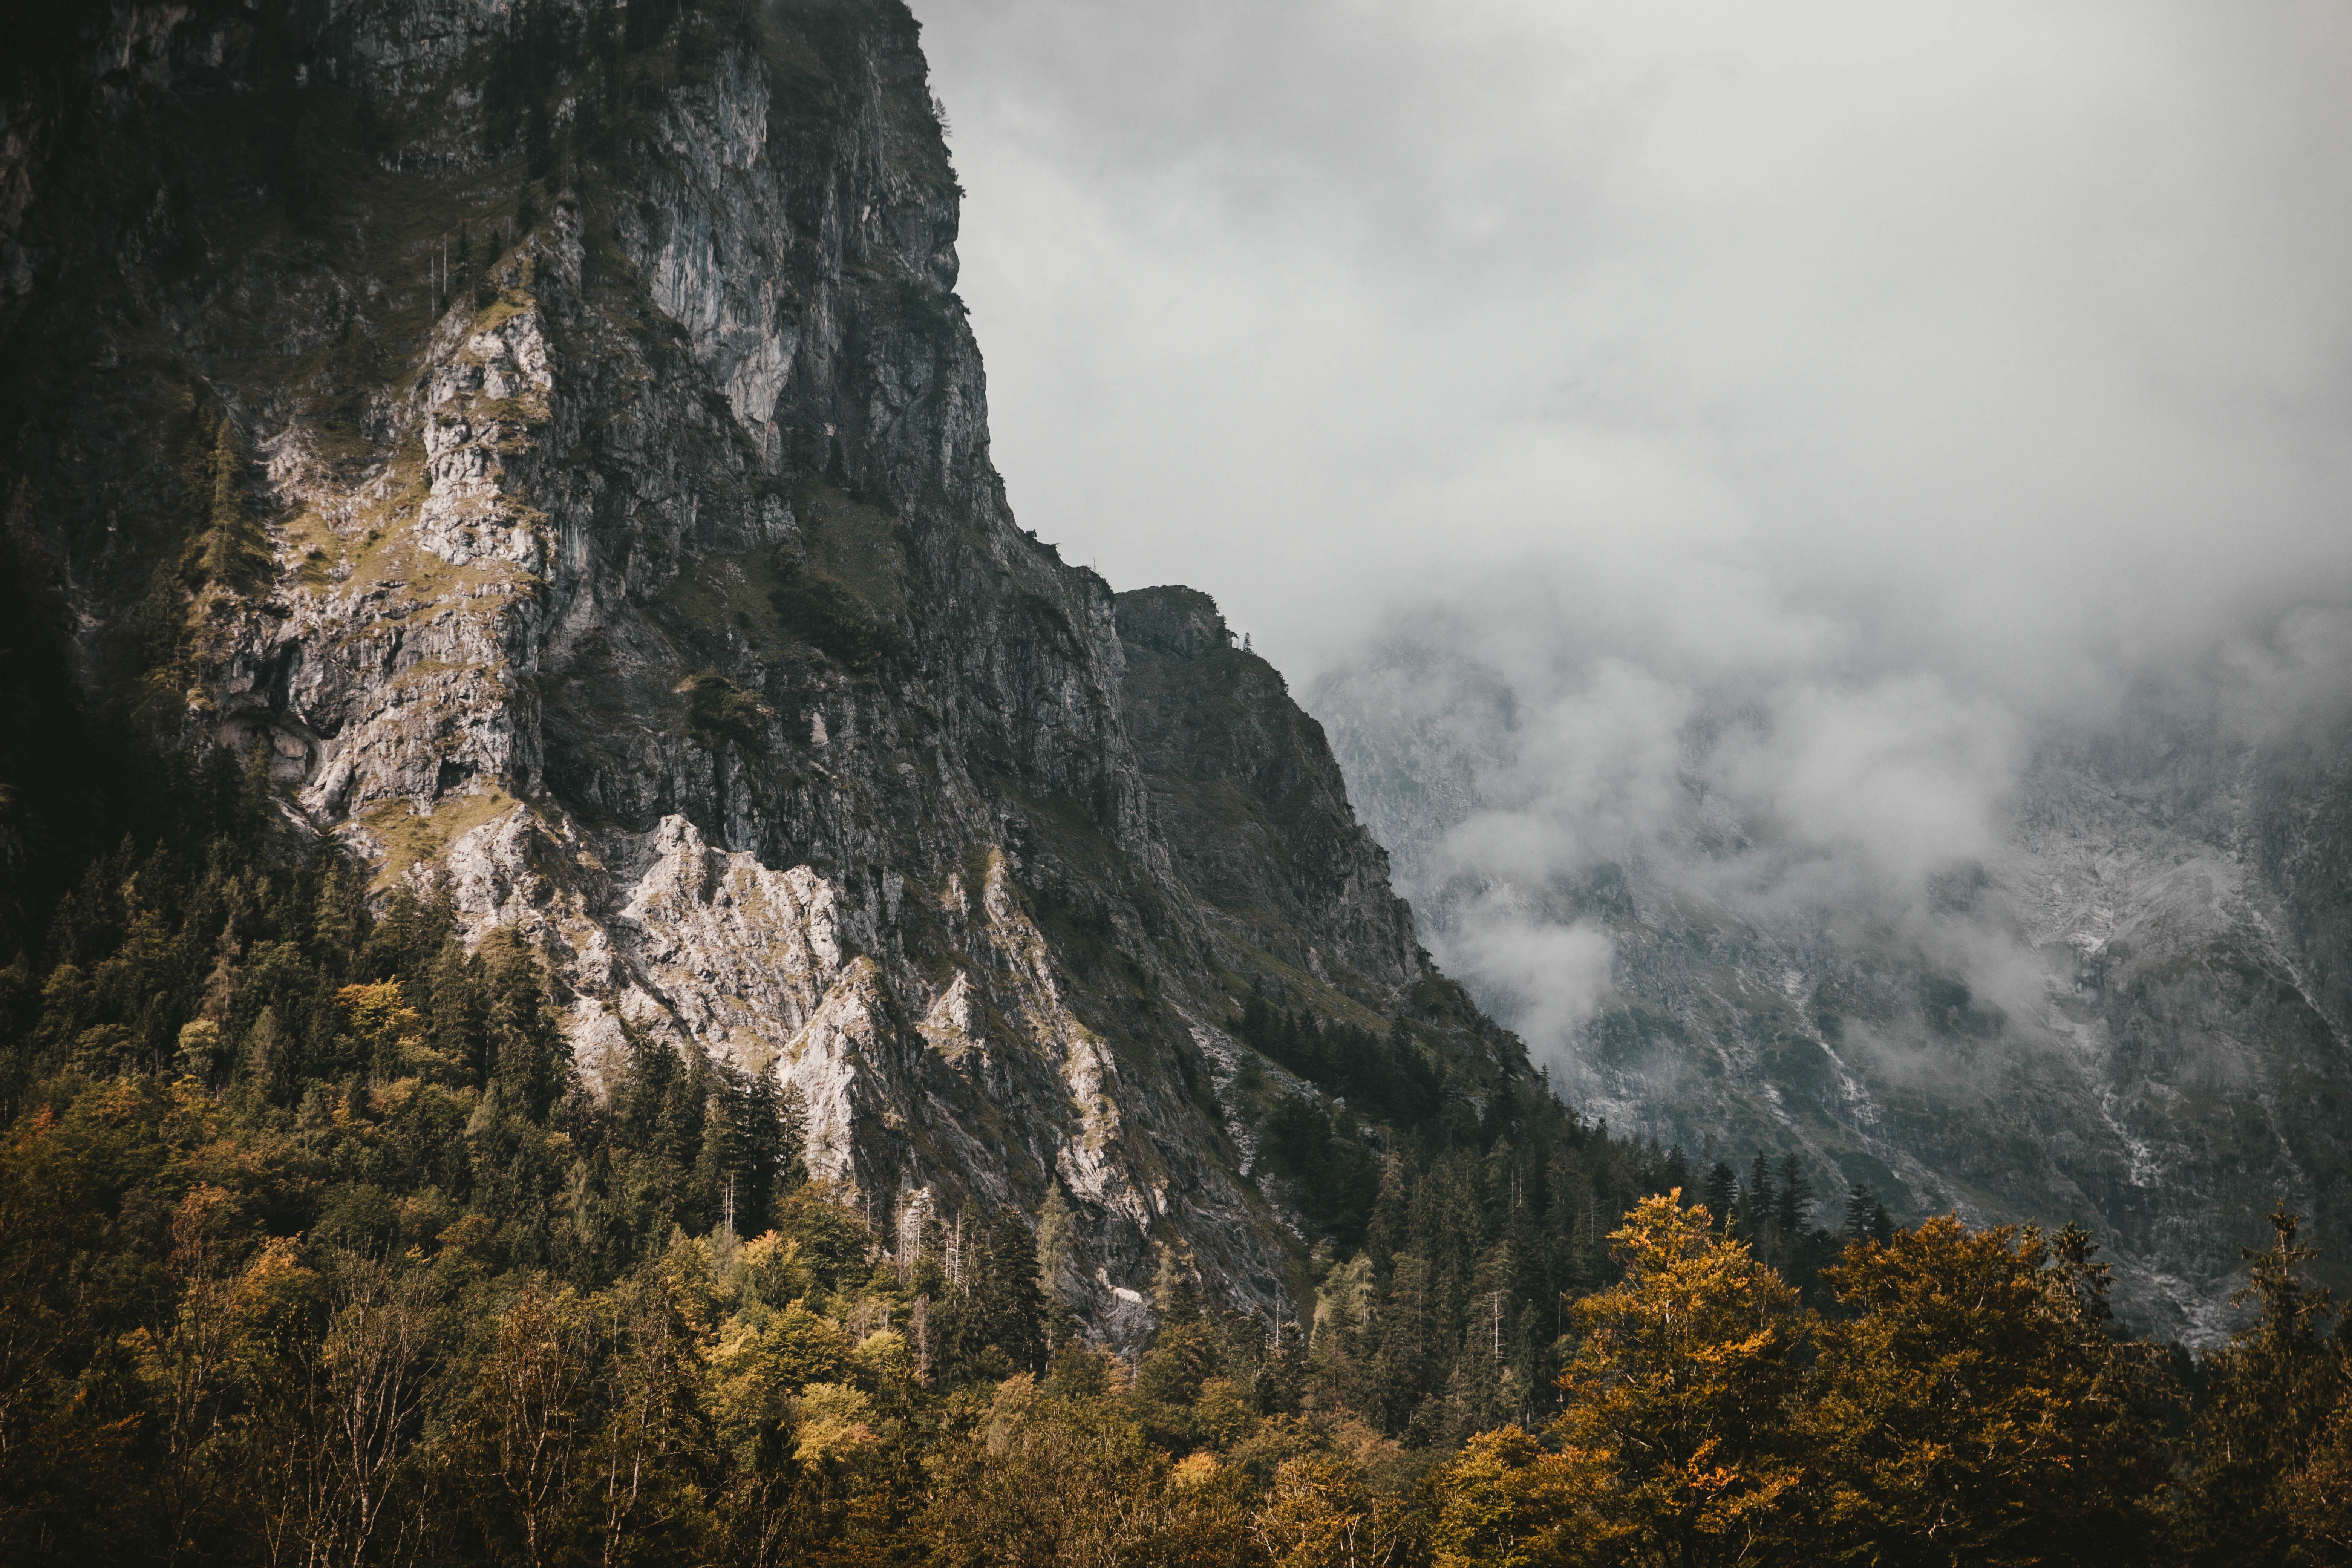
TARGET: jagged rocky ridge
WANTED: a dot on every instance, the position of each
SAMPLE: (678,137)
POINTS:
(620,547)
(2136,1015)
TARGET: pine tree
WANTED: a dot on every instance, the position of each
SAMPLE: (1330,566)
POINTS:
(458,1011)
(1176,1288)
(1409,1364)
(1858,1213)
(341,916)
(1760,1205)
(703,1192)
(2272,1390)
(461,270)
(264,1066)
(792,1140)
(1385,1232)
(1013,1307)
(229,523)
(727,1145)
(676,1145)
(760,1139)
(528,1055)
(259,798)
(1794,1201)
(1721,1194)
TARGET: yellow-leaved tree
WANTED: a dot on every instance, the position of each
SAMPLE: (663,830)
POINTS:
(1675,1446)
(1977,1409)
(1506,1501)
(1677,1412)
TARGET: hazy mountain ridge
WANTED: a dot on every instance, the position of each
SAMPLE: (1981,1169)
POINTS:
(2125,1016)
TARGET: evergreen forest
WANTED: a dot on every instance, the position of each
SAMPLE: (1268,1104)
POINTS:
(317,1246)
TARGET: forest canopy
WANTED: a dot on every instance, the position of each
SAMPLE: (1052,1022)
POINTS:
(316,1244)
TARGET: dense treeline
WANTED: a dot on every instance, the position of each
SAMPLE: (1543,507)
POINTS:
(184,1381)
(314,1244)
(1464,1230)
(1970,1403)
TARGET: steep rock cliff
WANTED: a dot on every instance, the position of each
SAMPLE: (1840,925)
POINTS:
(551,432)
(1255,812)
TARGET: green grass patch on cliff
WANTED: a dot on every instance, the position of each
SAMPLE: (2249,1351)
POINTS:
(855,546)
(410,835)
(818,608)
(719,708)
(728,589)
(839,589)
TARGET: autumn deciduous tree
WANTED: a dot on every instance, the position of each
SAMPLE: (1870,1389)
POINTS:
(1976,1410)
(193,1366)
(2316,1499)
(1506,1501)
(1041,1483)
(388,1031)
(529,1417)
(337,1424)
(1675,1440)
(57,1466)
(640,1474)
(1318,1516)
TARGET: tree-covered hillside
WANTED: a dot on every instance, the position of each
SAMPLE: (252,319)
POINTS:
(316,1244)
(601,960)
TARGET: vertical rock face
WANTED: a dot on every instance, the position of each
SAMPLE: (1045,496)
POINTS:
(1253,805)
(611,537)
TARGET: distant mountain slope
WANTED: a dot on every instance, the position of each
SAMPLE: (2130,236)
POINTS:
(2133,1015)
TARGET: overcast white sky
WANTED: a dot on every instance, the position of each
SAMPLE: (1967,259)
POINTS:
(1905,379)
(1996,344)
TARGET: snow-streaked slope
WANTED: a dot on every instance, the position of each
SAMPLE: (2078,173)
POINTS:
(2119,1015)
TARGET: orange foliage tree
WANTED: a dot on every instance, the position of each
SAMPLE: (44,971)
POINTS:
(1976,1410)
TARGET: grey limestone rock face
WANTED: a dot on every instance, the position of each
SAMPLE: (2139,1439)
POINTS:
(629,562)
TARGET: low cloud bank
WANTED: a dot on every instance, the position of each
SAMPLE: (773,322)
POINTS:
(1536,793)
(1743,436)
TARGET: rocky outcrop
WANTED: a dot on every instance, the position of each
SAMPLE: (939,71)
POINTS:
(627,557)
(1254,808)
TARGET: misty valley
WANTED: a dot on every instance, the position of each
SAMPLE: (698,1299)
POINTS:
(2110,997)
(604,959)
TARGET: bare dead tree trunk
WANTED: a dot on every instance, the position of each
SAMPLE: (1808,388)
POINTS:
(344,1425)
(531,1386)
(647,1426)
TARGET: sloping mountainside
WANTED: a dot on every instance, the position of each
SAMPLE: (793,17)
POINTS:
(547,438)
(601,960)
(2134,1016)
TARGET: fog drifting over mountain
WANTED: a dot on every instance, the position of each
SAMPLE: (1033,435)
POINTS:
(1797,411)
